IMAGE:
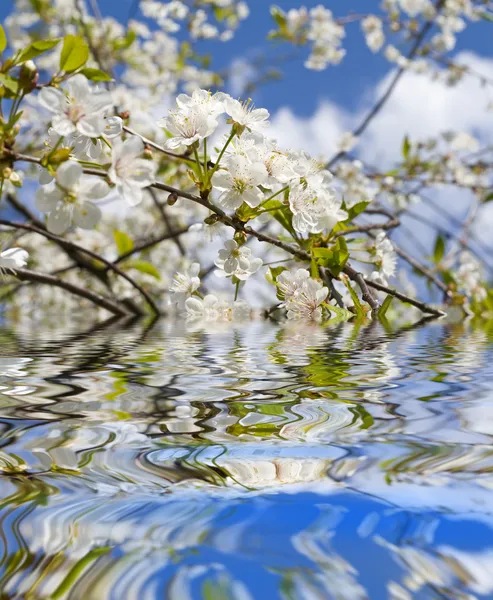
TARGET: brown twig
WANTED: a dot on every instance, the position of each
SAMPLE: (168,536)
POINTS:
(93,255)
(291,249)
(166,221)
(98,300)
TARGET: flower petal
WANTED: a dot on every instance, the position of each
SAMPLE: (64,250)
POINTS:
(68,174)
(60,220)
(87,215)
(95,188)
(52,99)
(92,125)
(62,125)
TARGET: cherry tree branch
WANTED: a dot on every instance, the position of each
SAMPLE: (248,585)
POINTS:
(93,255)
(238,225)
(98,300)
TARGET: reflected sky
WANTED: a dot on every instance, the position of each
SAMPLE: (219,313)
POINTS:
(246,461)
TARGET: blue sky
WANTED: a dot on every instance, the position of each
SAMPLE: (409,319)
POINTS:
(310,110)
(301,89)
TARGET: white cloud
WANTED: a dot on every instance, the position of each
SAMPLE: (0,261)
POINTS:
(419,107)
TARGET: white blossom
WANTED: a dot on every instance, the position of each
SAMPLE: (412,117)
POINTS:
(313,211)
(305,302)
(129,171)
(77,109)
(207,309)
(69,199)
(12,259)
(185,284)
(188,126)
(237,261)
(239,182)
(246,115)
(347,142)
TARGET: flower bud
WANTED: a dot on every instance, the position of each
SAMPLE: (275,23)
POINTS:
(172,198)
(147,153)
(211,220)
(240,238)
(28,76)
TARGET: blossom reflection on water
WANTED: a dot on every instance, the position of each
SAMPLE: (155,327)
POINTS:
(246,461)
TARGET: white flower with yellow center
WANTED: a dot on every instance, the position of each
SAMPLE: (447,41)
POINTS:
(239,183)
(77,109)
(68,199)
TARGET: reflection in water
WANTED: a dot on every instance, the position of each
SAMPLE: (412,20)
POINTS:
(257,461)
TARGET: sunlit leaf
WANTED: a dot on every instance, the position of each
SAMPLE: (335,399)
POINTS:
(75,53)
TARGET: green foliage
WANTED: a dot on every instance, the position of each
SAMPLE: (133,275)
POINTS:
(360,311)
(382,311)
(11,84)
(333,258)
(75,53)
(406,148)
(355,210)
(272,275)
(439,249)
(3,39)
(95,74)
(124,243)
(36,49)
(143,267)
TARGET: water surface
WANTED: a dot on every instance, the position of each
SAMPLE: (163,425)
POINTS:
(254,461)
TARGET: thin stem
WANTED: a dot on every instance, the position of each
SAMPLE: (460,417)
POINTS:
(197,161)
(237,289)
(221,154)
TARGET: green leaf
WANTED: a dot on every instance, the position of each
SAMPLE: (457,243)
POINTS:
(279,16)
(341,313)
(95,74)
(10,83)
(356,210)
(273,273)
(144,267)
(385,306)
(439,249)
(124,243)
(334,258)
(75,53)
(125,42)
(488,197)
(59,156)
(3,39)
(406,148)
(360,311)
(35,49)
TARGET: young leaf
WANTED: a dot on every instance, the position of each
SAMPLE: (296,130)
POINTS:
(360,311)
(124,243)
(385,306)
(274,273)
(10,83)
(95,74)
(355,210)
(406,148)
(3,39)
(439,249)
(75,53)
(144,267)
(35,49)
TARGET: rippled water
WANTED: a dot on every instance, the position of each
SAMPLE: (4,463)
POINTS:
(255,461)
